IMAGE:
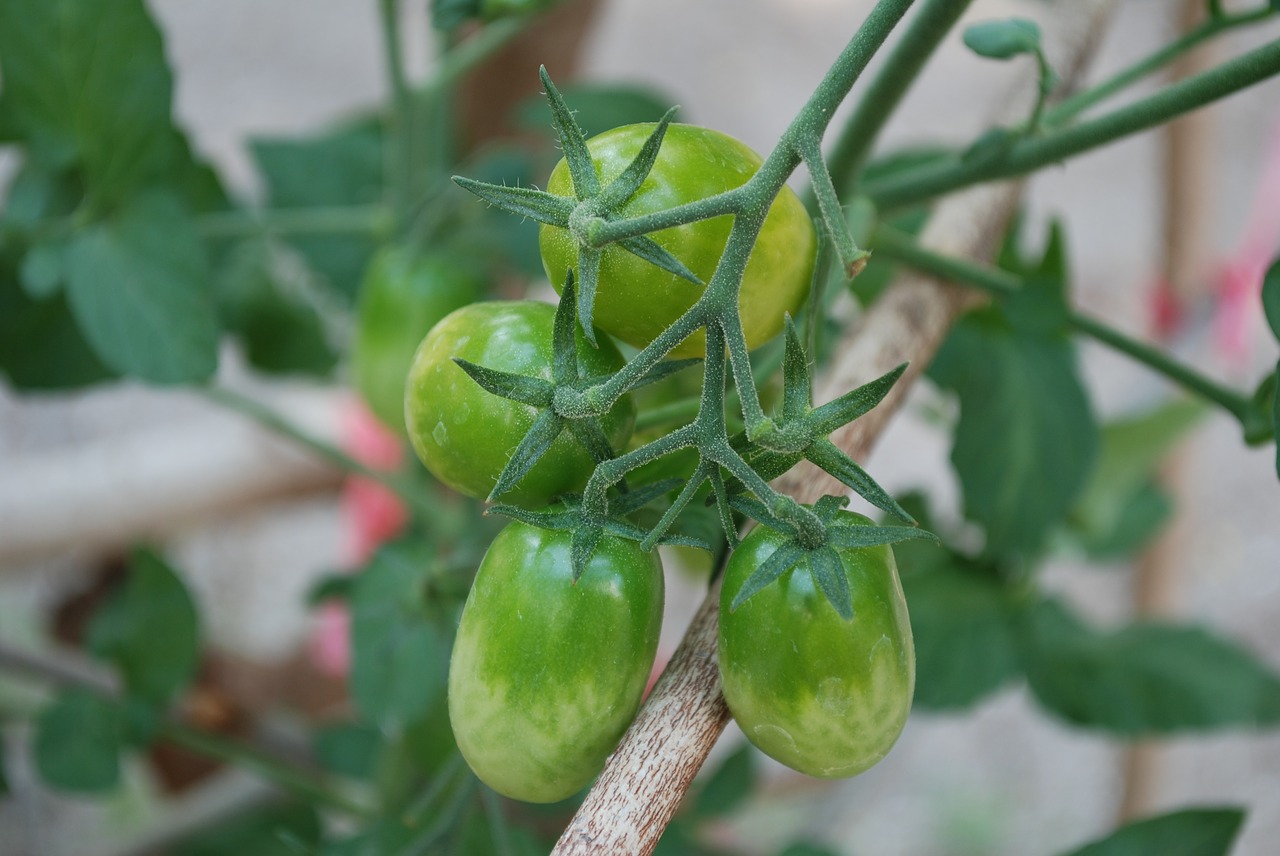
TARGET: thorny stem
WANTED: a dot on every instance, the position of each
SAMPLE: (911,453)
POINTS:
(895,245)
(1031,153)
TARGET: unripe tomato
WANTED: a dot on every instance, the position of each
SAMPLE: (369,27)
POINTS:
(547,673)
(824,696)
(636,300)
(403,295)
(465,435)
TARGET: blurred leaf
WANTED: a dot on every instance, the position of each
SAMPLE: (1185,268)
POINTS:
(41,347)
(263,831)
(1146,678)
(77,743)
(481,838)
(1121,507)
(349,749)
(1271,297)
(149,629)
(139,288)
(807,849)
(36,194)
(342,167)
(490,232)
(962,620)
(282,333)
(100,99)
(1002,39)
(44,269)
(1192,832)
(4,767)
(383,837)
(597,107)
(1026,439)
(399,654)
(729,786)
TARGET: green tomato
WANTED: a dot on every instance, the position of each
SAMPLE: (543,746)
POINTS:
(636,300)
(402,297)
(547,673)
(465,435)
(824,696)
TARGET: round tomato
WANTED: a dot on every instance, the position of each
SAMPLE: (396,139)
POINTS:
(465,435)
(402,296)
(824,696)
(636,300)
(547,673)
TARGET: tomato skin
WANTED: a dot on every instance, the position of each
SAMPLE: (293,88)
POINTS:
(403,295)
(824,696)
(635,301)
(465,435)
(547,674)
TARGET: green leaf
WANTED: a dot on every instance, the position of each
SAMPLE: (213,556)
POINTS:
(86,82)
(341,167)
(1271,297)
(1191,832)
(140,290)
(149,629)
(598,107)
(1275,419)
(1120,506)
(349,749)
(4,778)
(41,347)
(962,620)
(278,324)
(805,848)
(1003,39)
(77,743)
(272,830)
(44,269)
(1146,678)
(729,786)
(398,652)
(1026,439)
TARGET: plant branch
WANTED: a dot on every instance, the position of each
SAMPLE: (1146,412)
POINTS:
(895,245)
(1031,153)
(399,139)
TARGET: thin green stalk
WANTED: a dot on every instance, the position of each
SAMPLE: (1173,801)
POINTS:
(466,55)
(1071,107)
(926,30)
(354,219)
(399,139)
(895,245)
(304,784)
(1031,153)
(425,505)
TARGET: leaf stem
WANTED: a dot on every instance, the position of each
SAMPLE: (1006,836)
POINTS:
(900,247)
(1031,153)
(399,137)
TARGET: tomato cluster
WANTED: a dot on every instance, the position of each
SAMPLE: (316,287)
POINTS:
(549,668)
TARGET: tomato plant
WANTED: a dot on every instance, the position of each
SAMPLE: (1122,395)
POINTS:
(464,434)
(547,673)
(637,300)
(823,695)
(403,295)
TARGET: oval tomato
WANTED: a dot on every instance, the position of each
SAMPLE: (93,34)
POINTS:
(547,673)
(824,696)
(636,300)
(403,295)
(465,435)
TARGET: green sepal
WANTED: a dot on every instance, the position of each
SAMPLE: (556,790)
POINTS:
(546,428)
(756,510)
(682,499)
(876,536)
(526,390)
(638,497)
(828,456)
(829,576)
(721,493)
(568,517)
(779,562)
(854,403)
(583,547)
(564,350)
(522,201)
(625,185)
(588,280)
(828,506)
(796,381)
(586,184)
(592,437)
(652,252)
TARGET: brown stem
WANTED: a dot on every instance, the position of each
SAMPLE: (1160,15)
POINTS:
(648,775)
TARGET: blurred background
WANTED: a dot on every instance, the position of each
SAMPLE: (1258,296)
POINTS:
(253,522)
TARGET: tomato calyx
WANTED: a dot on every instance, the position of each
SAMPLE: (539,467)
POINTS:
(588,527)
(594,205)
(838,533)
